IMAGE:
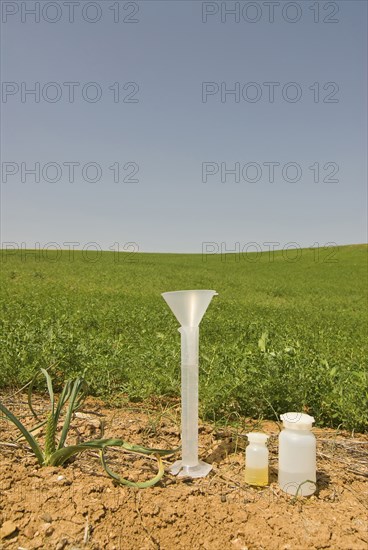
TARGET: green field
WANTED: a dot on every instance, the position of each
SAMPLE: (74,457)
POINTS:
(280,336)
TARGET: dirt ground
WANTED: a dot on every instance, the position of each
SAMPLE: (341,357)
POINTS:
(79,507)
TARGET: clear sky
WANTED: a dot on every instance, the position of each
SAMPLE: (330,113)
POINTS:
(148,97)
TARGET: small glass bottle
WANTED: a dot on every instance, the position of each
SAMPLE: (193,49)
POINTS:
(256,459)
(297,455)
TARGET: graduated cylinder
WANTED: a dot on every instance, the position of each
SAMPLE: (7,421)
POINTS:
(189,394)
(189,306)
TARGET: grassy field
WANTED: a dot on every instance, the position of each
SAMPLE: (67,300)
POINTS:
(280,336)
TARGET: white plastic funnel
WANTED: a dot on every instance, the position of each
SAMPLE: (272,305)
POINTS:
(189,306)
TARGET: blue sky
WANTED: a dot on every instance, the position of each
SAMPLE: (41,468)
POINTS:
(173,134)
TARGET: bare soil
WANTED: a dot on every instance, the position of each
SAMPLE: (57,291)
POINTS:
(79,507)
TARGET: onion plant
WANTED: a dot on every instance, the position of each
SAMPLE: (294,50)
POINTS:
(55,453)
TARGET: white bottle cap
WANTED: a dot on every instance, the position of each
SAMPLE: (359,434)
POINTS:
(257,437)
(297,421)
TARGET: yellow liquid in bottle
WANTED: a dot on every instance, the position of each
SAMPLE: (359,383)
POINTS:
(256,476)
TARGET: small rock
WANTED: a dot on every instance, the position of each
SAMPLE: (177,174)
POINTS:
(8,528)
(48,529)
(239,545)
(37,542)
(61,544)
(29,532)
(46,518)
(60,478)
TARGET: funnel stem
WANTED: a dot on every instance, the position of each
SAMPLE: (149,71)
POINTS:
(189,392)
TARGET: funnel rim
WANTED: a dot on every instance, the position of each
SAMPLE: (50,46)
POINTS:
(194,290)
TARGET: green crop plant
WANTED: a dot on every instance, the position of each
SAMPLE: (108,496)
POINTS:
(280,336)
(55,453)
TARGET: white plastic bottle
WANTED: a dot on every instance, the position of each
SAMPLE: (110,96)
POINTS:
(297,454)
(256,459)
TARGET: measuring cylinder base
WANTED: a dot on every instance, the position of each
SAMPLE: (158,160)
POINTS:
(200,470)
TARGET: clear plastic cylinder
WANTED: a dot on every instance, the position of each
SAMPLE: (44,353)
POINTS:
(189,395)
(189,306)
